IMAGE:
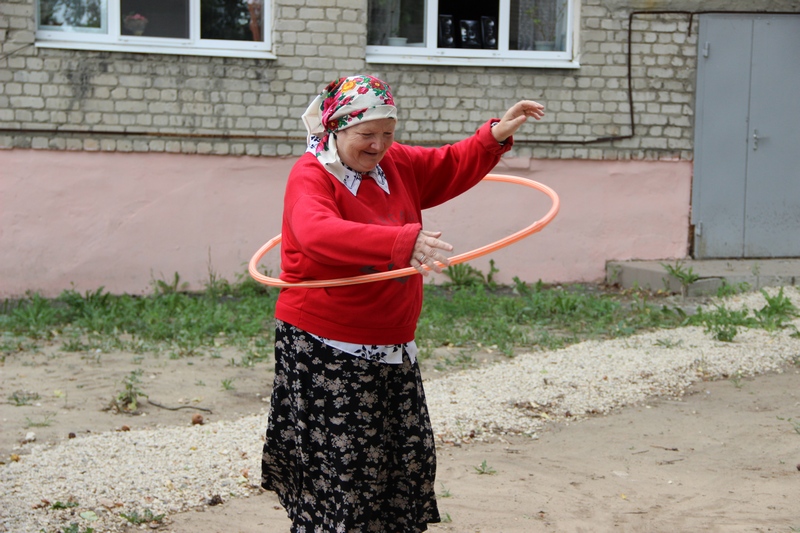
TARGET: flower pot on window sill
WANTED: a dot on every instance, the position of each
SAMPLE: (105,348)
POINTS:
(136,24)
(397,41)
(545,45)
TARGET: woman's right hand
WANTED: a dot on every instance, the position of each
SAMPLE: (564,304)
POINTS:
(428,251)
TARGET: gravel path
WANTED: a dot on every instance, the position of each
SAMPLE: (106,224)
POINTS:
(172,469)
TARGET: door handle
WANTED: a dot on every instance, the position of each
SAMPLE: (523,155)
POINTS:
(755,140)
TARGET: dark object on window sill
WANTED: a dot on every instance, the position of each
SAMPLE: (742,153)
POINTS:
(489,29)
(447,37)
(470,34)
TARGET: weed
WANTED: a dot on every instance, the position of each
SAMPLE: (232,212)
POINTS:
(75,528)
(34,316)
(161,286)
(227,384)
(45,422)
(778,311)
(128,398)
(795,423)
(614,275)
(186,345)
(445,492)
(462,360)
(736,379)
(668,343)
(446,519)
(14,344)
(726,289)
(63,505)
(147,517)
(484,469)
(723,323)
(464,275)
(685,276)
(21,397)
(74,345)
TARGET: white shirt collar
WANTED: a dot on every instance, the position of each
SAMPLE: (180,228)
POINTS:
(352,179)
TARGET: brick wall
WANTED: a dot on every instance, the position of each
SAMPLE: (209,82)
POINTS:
(188,104)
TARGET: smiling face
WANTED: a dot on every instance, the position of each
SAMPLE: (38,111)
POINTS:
(362,146)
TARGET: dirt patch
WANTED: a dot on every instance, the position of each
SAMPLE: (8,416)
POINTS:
(52,393)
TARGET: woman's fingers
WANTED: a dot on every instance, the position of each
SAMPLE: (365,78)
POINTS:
(428,251)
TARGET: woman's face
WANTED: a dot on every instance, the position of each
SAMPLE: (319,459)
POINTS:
(361,147)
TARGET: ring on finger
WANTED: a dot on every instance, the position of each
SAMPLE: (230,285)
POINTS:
(422,258)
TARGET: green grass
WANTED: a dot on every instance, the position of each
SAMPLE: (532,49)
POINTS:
(527,316)
(183,323)
(470,312)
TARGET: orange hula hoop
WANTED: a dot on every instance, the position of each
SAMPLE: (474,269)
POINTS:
(408,271)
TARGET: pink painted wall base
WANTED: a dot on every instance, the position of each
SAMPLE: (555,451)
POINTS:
(122,220)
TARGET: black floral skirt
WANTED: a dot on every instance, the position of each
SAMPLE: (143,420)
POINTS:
(349,443)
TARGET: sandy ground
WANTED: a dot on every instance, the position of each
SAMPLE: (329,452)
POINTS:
(725,457)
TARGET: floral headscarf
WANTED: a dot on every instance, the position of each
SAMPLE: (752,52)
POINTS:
(344,103)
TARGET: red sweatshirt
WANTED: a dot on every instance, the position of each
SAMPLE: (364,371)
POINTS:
(329,233)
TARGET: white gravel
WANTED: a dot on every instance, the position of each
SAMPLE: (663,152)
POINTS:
(171,469)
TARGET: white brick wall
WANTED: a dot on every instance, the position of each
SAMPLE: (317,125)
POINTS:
(207,99)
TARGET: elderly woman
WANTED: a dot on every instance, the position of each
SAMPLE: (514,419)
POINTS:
(349,445)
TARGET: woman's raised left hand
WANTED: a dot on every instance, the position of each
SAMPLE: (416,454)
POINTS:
(515,117)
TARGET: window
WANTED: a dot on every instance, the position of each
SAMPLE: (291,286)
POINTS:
(200,27)
(525,33)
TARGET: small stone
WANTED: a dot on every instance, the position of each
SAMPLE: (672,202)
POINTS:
(125,428)
(197,419)
(71,435)
(30,437)
(798,467)
(107,503)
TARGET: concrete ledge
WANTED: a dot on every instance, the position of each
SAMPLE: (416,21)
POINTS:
(711,274)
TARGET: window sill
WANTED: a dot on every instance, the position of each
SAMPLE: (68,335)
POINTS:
(189,49)
(399,55)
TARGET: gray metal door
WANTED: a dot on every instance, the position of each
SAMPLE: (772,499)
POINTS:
(746,191)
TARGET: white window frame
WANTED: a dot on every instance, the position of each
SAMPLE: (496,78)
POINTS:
(501,57)
(110,38)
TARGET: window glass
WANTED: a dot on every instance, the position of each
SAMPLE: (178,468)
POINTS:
(396,22)
(464,25)
(538,25)
(227,28)
(231,20)
(72,15)
(155,18)
(467,24)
